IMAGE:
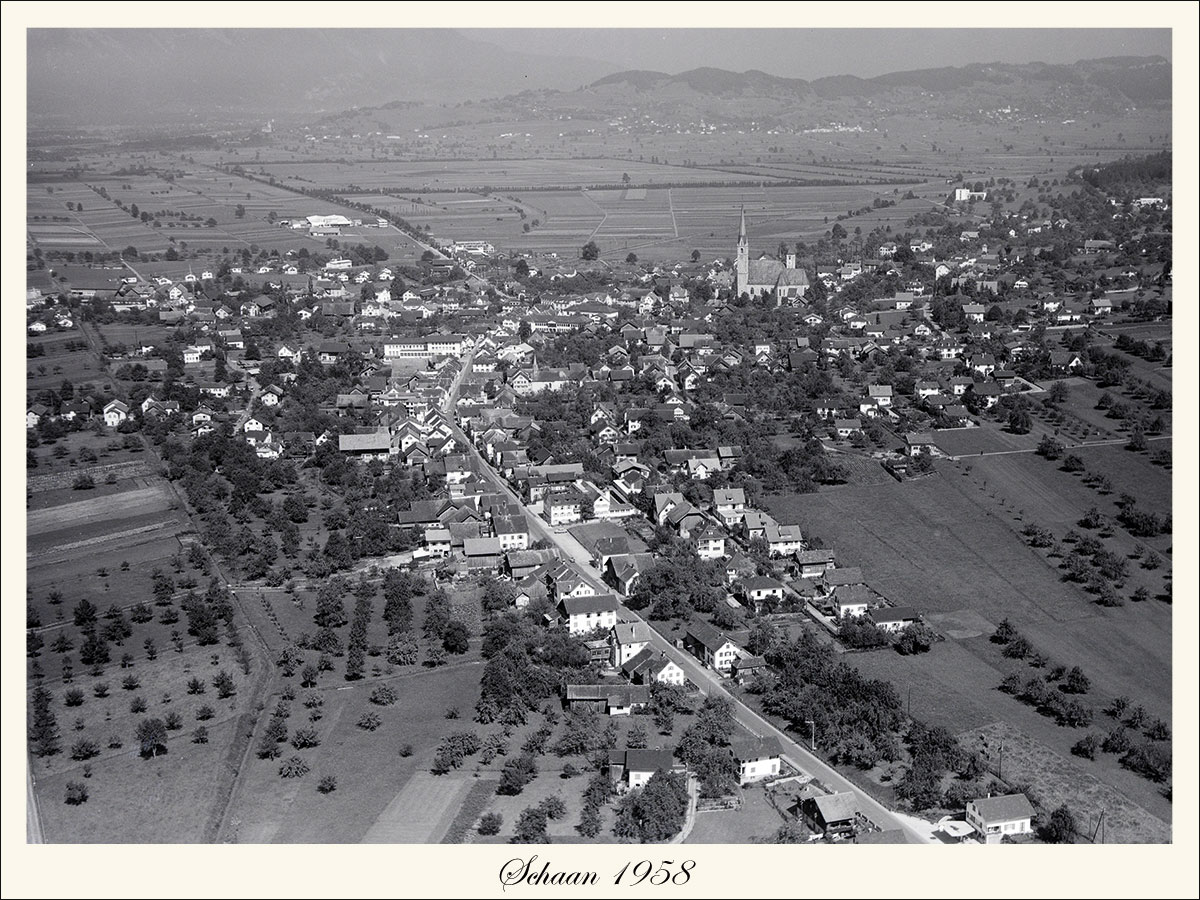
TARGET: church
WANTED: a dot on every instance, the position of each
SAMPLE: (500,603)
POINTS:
(767,276)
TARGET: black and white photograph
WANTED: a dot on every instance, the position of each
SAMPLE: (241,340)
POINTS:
(600,435)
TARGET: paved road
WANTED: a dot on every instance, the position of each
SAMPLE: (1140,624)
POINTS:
(706,679)
(33,816)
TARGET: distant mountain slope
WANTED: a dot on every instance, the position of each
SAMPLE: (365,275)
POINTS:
(1138,79)
(132,76)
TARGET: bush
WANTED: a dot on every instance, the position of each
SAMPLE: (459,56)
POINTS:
(1116,741)
(369,721)
(383,695)
(1004,633)
(1086,746)
(303,738)
(327,785)
(205,713)
(77,793)
(84,749)
(516,774)
(293,767)
(1151,761)
(200,735)
(490,823)
(406,750)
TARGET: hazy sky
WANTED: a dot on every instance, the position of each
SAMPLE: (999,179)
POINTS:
(814,53)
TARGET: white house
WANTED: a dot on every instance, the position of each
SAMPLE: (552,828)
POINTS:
(115,412)
(995,817)
(587,614)
(756,759)
(627,640)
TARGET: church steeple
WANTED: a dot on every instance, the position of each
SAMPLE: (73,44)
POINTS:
(742,275)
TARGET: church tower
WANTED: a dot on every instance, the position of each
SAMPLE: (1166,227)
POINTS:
(742,283)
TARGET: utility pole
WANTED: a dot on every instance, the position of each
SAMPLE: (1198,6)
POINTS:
(813,727)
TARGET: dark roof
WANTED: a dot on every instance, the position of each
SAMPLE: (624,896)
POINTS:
(894,614)
(642,760)
(756,748)
(705,634)
(1004,808)
(613,694)
(577,606)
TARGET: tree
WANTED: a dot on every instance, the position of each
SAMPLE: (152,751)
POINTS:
(631,258)
(43,730)
(1086,746)
(517,773)
(590,251)
(152,737)
(1061,827)
(1077,682)
(915,638)
(456,638)
(531,826)
(656,812)
(1019,421)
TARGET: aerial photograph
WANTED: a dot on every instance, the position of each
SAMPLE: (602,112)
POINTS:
(648,436)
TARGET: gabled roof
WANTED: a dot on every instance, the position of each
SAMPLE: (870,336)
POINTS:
(756,748)
(1004,808)
(582,606)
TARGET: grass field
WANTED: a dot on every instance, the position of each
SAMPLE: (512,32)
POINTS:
(1055,779)
(755,819)
(946,546)
(378,790)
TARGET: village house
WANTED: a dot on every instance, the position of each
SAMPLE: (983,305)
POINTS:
(710,646)
(586,614)
(756,759)
(631,769)
(995,818)
(649,667)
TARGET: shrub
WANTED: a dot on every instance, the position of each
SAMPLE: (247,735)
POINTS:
(369,721)
(327,785)
(293,767)
(137,705)
(1086,746)
(406,750)
(490,823)
(305,737)
(200,735)
(1116,741)
(383,695)
(205,713)
(84,749)
(77,793)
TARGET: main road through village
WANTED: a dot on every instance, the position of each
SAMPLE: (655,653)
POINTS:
(915,830)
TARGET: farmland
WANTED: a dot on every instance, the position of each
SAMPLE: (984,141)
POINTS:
(951,546)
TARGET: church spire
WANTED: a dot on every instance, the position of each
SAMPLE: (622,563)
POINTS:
(742,230)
